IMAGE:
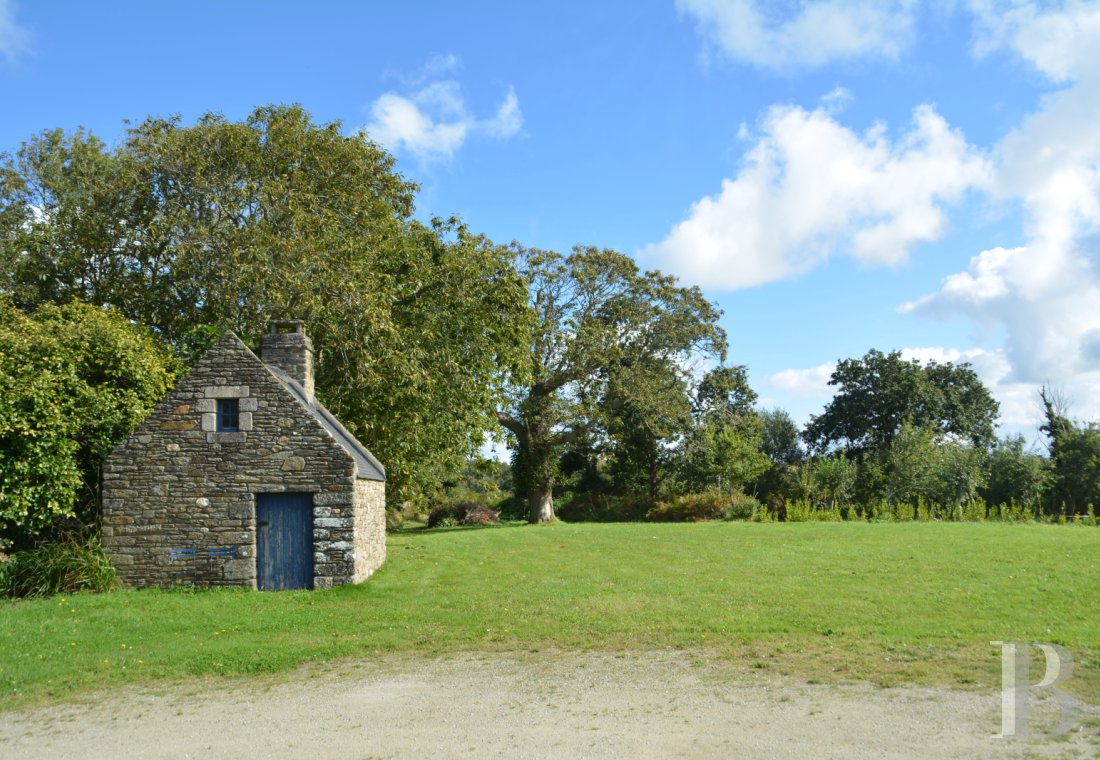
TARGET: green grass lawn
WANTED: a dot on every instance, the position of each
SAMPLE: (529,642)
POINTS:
(893,603)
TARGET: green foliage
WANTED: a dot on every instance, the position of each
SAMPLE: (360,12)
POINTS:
(920,465)
(604,507)
(803,510)
(480,480)
(723,449)
(1016,474)
(194,229)
(62,566)
(593,317)
(74,381)
(462,513)
(918,510)
(832,481)
(706,506)
(879,393)
(645,408)
(1074,458)
(779,437)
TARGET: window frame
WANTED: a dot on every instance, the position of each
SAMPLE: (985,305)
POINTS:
(228,415)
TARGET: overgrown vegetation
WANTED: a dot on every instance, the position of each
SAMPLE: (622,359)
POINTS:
(889,603)
(64,565)
(74,380)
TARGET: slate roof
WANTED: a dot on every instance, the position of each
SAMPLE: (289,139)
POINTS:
(366,466)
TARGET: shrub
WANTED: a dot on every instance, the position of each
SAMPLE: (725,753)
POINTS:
(74,380)
(62,566)
(395,519)
(597,507)
(462,513)
(705,506)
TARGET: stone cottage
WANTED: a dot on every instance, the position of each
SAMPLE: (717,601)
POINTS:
(241,478)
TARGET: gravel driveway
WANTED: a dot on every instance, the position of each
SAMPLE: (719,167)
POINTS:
(571,705)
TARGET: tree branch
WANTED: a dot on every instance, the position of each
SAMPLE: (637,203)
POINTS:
(511,423)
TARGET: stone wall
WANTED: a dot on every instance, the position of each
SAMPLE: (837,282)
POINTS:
(179,496)
(370,527)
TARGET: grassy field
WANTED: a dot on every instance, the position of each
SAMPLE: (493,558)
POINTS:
(892,603)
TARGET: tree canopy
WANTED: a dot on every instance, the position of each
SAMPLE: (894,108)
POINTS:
(880,392)
(595,319)
(192,230)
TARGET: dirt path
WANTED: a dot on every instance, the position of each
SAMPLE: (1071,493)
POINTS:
(635,705)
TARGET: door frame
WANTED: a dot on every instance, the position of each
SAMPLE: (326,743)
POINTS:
(306,495)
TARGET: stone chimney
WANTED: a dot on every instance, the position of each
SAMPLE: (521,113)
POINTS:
(287,347)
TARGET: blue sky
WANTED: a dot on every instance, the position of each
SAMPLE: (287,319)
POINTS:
(838,176)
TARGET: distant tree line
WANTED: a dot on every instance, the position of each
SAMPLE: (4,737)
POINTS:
(900,440)
(120,264)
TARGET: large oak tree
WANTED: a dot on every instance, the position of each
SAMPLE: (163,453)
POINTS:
(594,317)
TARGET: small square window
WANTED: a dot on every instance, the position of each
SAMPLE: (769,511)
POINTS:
(229,415)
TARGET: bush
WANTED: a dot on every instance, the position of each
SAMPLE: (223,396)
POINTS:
(74,380)
(706,506)
(462,513)
(395,519)
(597,507)
(62,566)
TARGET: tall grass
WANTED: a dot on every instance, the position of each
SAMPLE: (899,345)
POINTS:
(66,565)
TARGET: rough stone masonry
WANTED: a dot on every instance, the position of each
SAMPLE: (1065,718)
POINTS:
(179,495)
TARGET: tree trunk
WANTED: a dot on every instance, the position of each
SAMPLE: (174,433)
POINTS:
(540,504)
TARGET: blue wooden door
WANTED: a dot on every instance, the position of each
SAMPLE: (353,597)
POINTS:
(284,541)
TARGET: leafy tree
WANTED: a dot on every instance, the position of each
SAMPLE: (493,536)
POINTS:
(74,381)
(879,393)
(593,314)
(922,464)
(782,481)
(1016,474)
(833,480)
(646,407)
(961,473)
(1074,458)
(194,229)
(723,449)
(779,437)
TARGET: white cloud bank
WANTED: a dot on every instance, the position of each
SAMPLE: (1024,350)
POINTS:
(15,40)
(810,186)
(1045,292)
(433,122)
(819,32)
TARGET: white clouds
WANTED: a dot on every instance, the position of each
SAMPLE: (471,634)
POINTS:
(819,32)
(1060,43)
(14,39)
(1045,292)
(812,381)
(834,101)
(508,120)
(433,122)
(811,186)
